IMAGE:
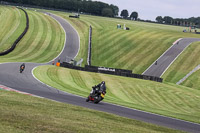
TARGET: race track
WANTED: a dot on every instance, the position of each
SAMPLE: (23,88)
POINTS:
(25,82)
(158,68)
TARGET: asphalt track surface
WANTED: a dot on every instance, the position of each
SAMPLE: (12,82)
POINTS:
(25,82)
(164,62)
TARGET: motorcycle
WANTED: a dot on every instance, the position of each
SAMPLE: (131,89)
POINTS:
(21,69)
(96,97)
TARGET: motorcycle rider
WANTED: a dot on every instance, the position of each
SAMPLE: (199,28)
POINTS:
(99,88)
(22,67)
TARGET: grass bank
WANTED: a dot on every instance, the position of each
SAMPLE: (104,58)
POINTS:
(193,81)
(42,43)
(135,49)
(166,99)
(21,114)
(13,23)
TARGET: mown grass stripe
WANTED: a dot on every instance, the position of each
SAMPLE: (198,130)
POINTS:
(6,22)
(139,54)
(167,99)
(6,26)
(109,47)
(43,41)
(13,28)
(117,48)
(32,42)
(28,39)
(123,51)
(38,44)
(12,25)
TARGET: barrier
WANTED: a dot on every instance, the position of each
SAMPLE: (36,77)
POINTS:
(89,46)
(20,37)
(111,71)
(75,16)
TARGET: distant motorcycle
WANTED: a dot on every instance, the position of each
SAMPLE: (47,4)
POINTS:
(96,96)
(22,67)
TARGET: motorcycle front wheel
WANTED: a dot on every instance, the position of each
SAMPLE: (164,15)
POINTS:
(87,99)
(97,100)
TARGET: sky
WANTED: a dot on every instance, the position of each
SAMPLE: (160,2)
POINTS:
(150,9)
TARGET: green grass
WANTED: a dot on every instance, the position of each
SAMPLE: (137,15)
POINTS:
(42,43)
(193,81)
(13,22)
(21,114)
(166,99)
(136,49)
(185,63)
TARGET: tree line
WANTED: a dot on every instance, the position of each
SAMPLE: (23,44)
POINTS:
(85,6)
(125,14)
(179,21)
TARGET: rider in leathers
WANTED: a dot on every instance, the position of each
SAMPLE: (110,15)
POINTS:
(99,88)
(22,66)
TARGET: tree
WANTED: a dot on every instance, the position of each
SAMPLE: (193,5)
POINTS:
(107,12)
(159,19)
(134,16)
(124,14)
(115,9)
(168,20)
(86,6)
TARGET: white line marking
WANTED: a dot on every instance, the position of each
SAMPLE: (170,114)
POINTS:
(37,78)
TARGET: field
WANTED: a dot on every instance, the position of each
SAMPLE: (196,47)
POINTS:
(42,43)
(13,22)
(21,114)
(135,50)
(166,99)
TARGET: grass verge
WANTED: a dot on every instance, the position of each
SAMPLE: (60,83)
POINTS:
(193,81)
(13,22)
(21,114)
(42,43)
(160,98)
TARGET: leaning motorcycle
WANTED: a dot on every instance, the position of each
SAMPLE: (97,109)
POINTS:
(21,69)
(96,98)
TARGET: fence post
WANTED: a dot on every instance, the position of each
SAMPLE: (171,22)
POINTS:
(89,46)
